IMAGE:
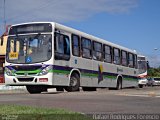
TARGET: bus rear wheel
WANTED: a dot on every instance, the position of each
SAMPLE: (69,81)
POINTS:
(74,83)
(119,84)
(34,89)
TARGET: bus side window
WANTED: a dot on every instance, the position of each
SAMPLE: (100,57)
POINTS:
(131,60)
(116,58)
(66,45)
(124,58)
(75,45)
(97,51)
(107,54)
(61,47)
(86,48)
(135,61)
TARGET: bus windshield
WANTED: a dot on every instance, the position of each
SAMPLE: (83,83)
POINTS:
(142,66)
(28,49)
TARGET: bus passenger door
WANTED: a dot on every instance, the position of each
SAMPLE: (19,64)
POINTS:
(61,67)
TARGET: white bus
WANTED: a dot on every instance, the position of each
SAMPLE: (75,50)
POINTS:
(41,55)
(142,69)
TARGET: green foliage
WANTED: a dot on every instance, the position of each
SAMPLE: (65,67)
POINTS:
(154,72)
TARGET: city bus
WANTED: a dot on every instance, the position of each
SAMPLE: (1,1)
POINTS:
(142,68)
(42,55)
(3,43)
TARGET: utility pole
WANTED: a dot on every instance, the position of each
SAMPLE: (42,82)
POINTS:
(4,14)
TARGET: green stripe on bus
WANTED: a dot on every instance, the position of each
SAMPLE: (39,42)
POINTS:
(89,74)
(109,76)
(34,71)
(60,71)
(130,79)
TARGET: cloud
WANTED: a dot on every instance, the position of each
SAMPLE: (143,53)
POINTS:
(61,10)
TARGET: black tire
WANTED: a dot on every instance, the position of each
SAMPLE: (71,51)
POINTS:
(33,89)
(60,89)
(89,88)
(74,83)
(140,86)
(119,84)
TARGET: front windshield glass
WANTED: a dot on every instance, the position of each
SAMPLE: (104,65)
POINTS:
(142,66)
(29,48)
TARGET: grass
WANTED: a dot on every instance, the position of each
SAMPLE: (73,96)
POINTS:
(16,112)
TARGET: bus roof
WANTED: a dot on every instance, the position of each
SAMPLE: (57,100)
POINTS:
(72,30)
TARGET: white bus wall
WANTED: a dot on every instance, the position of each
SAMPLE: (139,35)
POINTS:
(108,80)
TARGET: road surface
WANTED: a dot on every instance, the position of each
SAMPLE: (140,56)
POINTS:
(135,100)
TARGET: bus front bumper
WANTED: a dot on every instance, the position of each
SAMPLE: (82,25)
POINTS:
(29,80)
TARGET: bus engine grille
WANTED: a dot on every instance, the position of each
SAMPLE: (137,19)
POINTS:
(25,79)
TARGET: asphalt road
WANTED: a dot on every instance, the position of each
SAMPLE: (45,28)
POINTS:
(135,100)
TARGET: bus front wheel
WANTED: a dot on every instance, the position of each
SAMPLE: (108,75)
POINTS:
(74,83)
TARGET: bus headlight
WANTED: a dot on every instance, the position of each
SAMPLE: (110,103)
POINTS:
(45,70)
(8,72)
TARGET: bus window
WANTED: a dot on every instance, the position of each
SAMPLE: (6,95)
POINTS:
(135,61)
(124,58)
(62,47)
(17,46)
(116,56)
(107,54)
(66,45)
(97,51)
(12,46)
(86,48)
(75,45)
(131,60)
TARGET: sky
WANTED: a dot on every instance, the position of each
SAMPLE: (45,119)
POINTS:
(134,24)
